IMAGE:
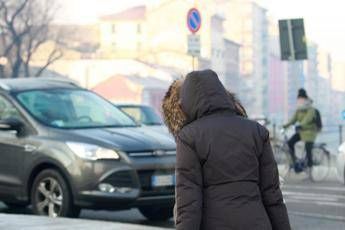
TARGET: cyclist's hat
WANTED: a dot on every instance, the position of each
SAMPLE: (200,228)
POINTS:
(302,93)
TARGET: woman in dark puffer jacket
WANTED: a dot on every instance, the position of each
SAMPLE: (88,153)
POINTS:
(226,176)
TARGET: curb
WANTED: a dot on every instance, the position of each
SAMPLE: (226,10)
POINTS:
(30,222)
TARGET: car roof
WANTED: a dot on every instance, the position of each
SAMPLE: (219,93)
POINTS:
(24,84)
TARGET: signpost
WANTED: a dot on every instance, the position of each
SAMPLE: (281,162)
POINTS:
(194,45)
(194,20)
(194,24)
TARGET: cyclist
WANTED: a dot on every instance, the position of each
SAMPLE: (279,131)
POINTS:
(306,129)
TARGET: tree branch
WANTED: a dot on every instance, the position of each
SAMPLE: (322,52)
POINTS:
(55,55)
(24,26)
(19,10)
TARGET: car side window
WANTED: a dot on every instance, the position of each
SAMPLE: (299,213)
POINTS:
(7,110)
(135,113)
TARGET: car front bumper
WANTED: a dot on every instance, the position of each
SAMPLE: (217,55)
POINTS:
(132,182)
(106,201)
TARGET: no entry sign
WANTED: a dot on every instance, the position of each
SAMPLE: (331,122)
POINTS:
(194,20)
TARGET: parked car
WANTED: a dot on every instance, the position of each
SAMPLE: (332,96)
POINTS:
(144,115)
(64,148)
(341,163)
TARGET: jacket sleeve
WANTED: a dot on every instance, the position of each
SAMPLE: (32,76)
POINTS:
(308,118)
(270,188)
(292,121)
(188,188)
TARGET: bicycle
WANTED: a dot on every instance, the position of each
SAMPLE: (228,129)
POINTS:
(321,159)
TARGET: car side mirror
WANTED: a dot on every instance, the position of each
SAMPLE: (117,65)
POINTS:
(11,123)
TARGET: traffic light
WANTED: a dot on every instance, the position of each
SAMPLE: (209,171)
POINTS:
(293,45)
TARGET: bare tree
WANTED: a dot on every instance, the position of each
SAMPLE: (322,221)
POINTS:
(24,28)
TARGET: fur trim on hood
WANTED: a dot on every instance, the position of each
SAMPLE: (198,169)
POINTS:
(175,118)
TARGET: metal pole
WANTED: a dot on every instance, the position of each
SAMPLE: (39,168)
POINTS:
(340,134)
(1,71)
(193,66)
(274,131)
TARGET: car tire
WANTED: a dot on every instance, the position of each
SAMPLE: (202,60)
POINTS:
(155,213)
(51,195)
(15,205)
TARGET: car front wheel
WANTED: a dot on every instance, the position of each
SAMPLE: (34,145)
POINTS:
(157,213)
(51,196)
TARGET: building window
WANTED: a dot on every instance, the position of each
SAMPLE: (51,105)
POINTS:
(247,53)
(264,61)
(113,28)
(113,46)
(139,29)
(247,67)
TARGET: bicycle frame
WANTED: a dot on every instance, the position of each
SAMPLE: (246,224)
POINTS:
(284,149)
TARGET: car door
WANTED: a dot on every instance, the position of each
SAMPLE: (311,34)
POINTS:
(11,152)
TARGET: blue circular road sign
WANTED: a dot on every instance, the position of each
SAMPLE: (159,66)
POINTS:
(343,114)
(194,20)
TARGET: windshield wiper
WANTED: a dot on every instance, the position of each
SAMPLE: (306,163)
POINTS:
(118,126)
(153,123)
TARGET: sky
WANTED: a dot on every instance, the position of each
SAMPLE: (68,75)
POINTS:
(324,19)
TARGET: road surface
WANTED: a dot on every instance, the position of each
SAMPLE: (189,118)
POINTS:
(314,206)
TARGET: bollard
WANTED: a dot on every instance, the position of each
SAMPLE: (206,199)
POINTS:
(274,131)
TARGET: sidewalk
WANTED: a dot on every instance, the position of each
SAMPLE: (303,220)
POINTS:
(29,222)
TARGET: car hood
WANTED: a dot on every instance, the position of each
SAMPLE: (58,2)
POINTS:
(158,128)
(129,139)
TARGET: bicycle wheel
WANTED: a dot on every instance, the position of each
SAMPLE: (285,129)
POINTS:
(283,160)
(321,164)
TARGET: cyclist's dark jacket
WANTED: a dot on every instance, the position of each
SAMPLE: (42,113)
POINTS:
(227,178)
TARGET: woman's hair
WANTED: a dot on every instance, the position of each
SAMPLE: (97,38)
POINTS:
(175,118)
(239,109)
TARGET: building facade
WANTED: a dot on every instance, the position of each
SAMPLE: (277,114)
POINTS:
(247,24)
(158,34)
(123,35)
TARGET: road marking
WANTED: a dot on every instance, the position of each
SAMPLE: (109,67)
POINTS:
(321,216)
(309,187)
(316,195)
(315,202)
(312,198)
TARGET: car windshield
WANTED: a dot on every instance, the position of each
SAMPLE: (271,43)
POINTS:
(71,108)
(143,114)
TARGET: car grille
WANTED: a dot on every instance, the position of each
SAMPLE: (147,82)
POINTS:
(153,153)
(146,185)
(121,179)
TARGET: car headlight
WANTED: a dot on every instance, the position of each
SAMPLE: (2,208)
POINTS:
(92,152)
(342,148)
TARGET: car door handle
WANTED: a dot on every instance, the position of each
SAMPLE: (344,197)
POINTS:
(30,148)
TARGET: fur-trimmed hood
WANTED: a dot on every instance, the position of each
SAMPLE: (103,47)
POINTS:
(173,115)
